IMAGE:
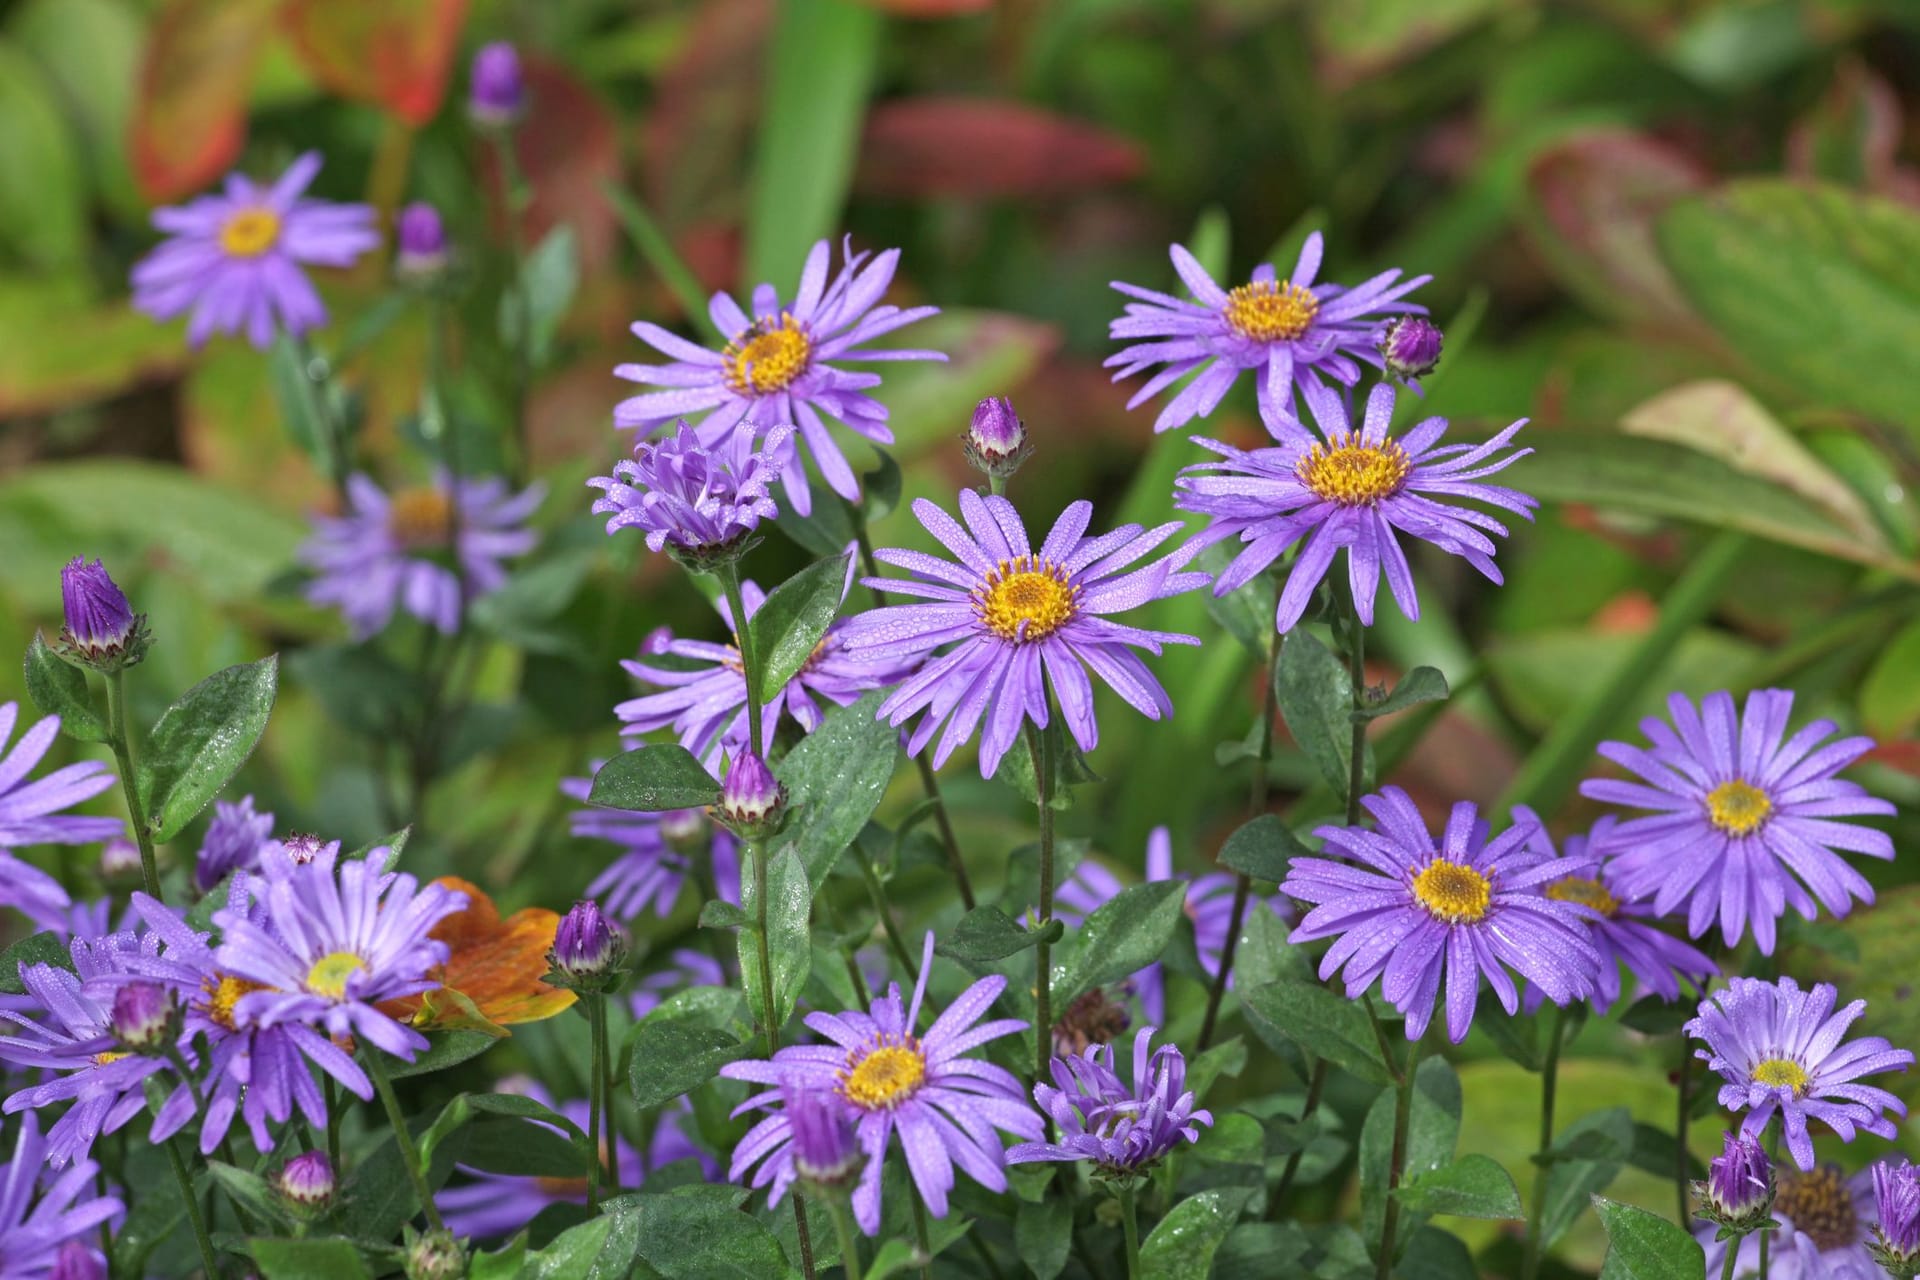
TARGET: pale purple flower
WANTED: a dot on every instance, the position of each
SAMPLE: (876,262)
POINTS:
(1780,1051)
(1745,818)
(1291,332)
(778,367)
(657,855)
(703,497)
(421,251)
(1099,1118)
(1739,1185)
(99,626)
(1826,1222)
(496,87)
(1410,347)
(1416,911)
(944,1105)
(307,1181)
(389,551)
(233,842)
(1018,622)
(30,812)
(42,1219)
(1896,1201)
(235,259)
(1352,490)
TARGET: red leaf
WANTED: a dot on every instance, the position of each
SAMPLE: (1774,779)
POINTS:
(190,114)
(917,148)
(568,148)
(698,136)
(396,53)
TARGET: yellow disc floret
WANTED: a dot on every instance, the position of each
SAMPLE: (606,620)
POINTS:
(1819,1206)
(1352,473)
(768,357)
(882,1078)
(1738,808)
(1026,599)
(225,994)
(1268,312)
(421,517)
(1453,891)
(330,972)
(1588,893)
(1781,1073)
(248,233)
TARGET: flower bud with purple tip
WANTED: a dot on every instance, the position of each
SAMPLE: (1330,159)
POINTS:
(996,442)
(589,953)
(421,237)
(496,89)
(306,1183)
(77,1260)
(826,1154)
(101,629)
(1738,1192)
(1896,1237)
(434,1255)
(120,863)
(145,1018)
(1411,347)
(753,803)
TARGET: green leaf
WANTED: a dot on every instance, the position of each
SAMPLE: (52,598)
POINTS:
(790,949)
(1654,1016)
(43,185)
(1645,1246)
(676,1050)
(314,1258)
(1043,1235)
(1655,1151)
(1422,684)
(1474,1186)
(654,778)
(1316,700)
(358,686)
(1263,848)
(1245,612)
(788,625)
(1587,1156)
(1433,1129)
(835,779)
(1516,1038)
(1122,937)
(298,399)
(602,1248)
(1321,1022)
(504,1263)
(201,741)
(59,688)
(1889,696)
(986,934)
(548,281)
(697,1233)
(1228,1058)
(1070,768)
(444,1049)
(248,1190)
(1182,1244)
(1433,1254)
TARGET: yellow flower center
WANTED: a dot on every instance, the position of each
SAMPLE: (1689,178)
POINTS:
(1738,808)
(330,972)
(1588,893)
(1781,1073)
(1026,599)
(420,517)
(1819,1206)
(768,357)
(107,1058)
(884,1077)
(1453,892)
(1351,473)
(249,233)
(1268,312)
(224,995)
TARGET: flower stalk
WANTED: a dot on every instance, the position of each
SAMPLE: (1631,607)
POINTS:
(403,1138)
(1549,1083)
(121,742)
(1039,746)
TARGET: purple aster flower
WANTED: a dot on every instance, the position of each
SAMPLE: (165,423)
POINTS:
(1826,1221)
(1022,622)
(391,551)
(1123,1130)
(1415,911)
(422,249)
(40,1219)
(1624,932)
(235,259)
(703,696)
(1738,1191)
(335,942)
(1779,1049)
(30,811)
(1744,823)
(77,1260)
(658,853)
(496,89)
(1290,332)
(945,1106)
(119,865)
(587,953)
(1896,1200)
(1352,490)
(75,1039)
(32,892)
(702,497)
(99,627)
(826,1139)
(777,367)
(689,968)
(232,843)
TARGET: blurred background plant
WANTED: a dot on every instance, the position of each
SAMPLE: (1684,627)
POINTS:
(1684,235)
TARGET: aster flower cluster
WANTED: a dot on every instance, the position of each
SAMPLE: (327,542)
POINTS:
(1123,1130)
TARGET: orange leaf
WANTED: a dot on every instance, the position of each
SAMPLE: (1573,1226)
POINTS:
(190,114)
(918,148)
(496,965)
(397,53)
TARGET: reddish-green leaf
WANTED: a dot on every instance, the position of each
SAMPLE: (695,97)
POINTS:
(396,53)
(190,114)
(920,148)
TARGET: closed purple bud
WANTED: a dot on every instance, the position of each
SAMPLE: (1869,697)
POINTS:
(1411,347)
(825,1151)
(1896,1239)
(422,239)
(996,443)
(77,1260)
(102,631)
(306,1181)
(753,803)
(232,843)
(1738,1192)
(587,952)
(120,862)
(145,1018)
(497,93)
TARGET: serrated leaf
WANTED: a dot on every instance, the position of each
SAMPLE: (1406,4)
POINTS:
(1321,1022)
(698,1232)
(787,626)
(59,688)
(1122,937)
(1263,848)
(1645,1246)
(201,741)
(1474,1186)
(1422,684)
(653,779)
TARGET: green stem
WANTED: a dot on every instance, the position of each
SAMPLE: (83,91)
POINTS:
(1733,1256)
(920,1234)
(1549,1085)
(1130,1222)
(194,1216)
(333,436)
(602,1051)
(403,1138)
(849,1243)
(1680,1179)
(1397,1160)
(517,197)
(757,850)
(877,892)
(1773,1154)
(1316,1085)
(729,575)
(333,1124)
(1039,746)
(596,1018)
(122,743)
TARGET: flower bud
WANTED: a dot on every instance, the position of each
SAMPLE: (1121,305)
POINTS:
(101,629)
(306,1182)
(496,91)
(1411,347)
(1738,1192)
(434,1255)
(120,863)
(422,240)
(77,1261)
(145,1018)
(996,443)
(302,847)
(825,1152)
(753,803)
(1896,1238)
(588,953)
(687,831)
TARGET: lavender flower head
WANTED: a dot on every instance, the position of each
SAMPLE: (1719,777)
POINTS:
(429,551)
(1352,490)
(658,852)
(233,842)
(30,812)
(1012,614)
(496,89)
(1416,911)
(78,1260)
(587,953)
(826,1150)
(1410,348)
(42,1220)
(1738,1192)
(1744,818)
(777,367)
(235,260)
(99,627)
(701,498)
(421,253)
(119,865)
(144,1018)
(945,1106)
(1780,1050)
(1125,1131)
(1826,1222)
(996,441)
(1896,1198)
(1290,332)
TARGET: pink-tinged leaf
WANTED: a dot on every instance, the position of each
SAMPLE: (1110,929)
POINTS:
(1595,197)
(697,138)
(929,9)
(568,148)
(917,148)
(190,113)
(1852,136)
(397,53)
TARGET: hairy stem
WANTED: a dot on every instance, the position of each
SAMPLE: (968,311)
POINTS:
(194,1216)
(1038,745)
(1549,1085)
(1397,1160)
(1130,1222)
(596,1083)
(122,743)
(729,575)
(403,1138)
(849,1243)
